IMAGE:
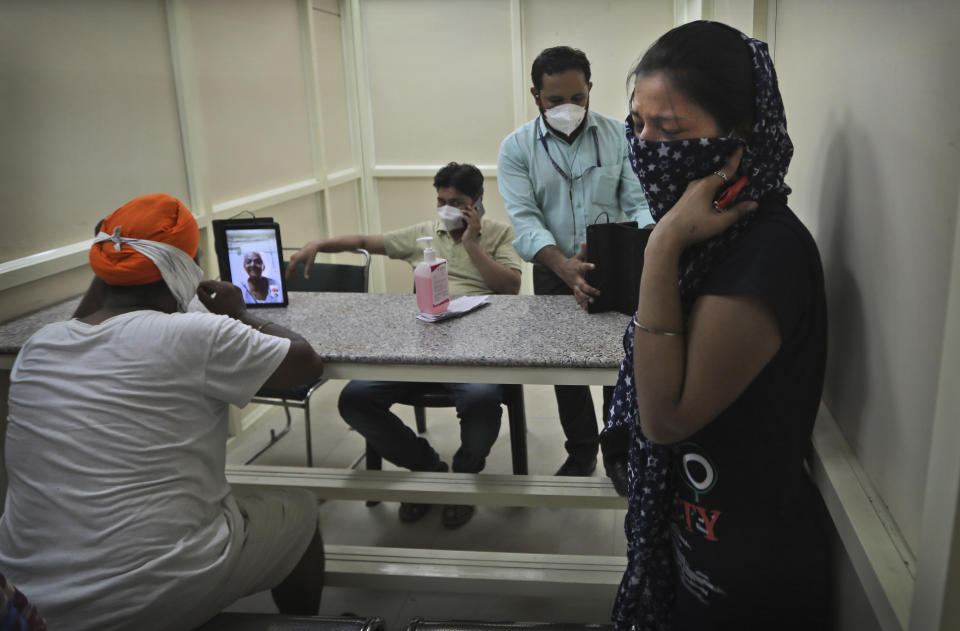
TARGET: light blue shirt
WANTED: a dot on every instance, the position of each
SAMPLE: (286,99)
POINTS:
(545,207)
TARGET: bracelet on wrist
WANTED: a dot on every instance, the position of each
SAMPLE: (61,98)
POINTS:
(655,331)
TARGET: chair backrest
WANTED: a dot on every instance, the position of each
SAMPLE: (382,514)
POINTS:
(332,276)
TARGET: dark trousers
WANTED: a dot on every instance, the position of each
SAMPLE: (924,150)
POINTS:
(575,403)
(365,406)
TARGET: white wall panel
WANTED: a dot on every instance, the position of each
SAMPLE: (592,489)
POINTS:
(612,33)
(875,177)
(300,219)
(336,124)
(345,209)
(253,105)
(439,78)
(89,117)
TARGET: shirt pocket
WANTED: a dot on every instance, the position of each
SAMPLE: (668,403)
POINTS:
(606,186)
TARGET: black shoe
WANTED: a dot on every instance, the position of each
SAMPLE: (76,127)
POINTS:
(617,472)
(576,467)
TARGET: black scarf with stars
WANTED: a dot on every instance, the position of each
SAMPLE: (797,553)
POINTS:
(664,168)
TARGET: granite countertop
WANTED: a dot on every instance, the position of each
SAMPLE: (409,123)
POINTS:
(521,331)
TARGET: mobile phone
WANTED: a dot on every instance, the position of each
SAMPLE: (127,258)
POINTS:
(729,193)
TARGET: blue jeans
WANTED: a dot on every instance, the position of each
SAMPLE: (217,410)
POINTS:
(365,406)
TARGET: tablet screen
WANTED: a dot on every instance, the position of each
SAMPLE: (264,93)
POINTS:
(252,262)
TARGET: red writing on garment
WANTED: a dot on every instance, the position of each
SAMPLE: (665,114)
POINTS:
(695,517)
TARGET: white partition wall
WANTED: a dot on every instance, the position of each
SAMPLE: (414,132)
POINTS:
(333,115)
(614,35)
(449,79)
(84,130)
(873,112)
(229,106)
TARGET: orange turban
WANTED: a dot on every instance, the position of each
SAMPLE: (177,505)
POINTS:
(156,217)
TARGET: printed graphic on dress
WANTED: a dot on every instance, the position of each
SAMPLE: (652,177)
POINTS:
(696,469)
(695,582)
(700,474)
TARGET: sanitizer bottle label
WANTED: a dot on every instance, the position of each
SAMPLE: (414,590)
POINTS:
(438,279)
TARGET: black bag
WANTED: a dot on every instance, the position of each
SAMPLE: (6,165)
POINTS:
(617,251)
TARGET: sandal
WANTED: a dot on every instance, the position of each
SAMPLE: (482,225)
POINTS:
(456,515)
(411,512)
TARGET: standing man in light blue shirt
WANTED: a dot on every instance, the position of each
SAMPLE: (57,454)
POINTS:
(557,174)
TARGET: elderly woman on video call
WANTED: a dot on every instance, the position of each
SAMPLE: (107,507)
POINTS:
(258,288)
(725,356)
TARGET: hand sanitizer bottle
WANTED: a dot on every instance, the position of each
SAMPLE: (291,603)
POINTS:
(430,281)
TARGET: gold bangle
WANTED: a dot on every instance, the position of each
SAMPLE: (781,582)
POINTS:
(655,331)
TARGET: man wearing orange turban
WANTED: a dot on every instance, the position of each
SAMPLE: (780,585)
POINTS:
(119,514)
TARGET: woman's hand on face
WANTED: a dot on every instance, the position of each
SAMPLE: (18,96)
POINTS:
(694,218)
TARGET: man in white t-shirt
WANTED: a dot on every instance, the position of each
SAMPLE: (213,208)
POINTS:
(118,513)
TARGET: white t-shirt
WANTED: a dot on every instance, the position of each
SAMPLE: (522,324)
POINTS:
(118,508)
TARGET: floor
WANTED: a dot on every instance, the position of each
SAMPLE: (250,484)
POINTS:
(508,529)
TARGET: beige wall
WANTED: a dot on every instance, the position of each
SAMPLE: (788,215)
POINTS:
(443,78)
(252,104)
(872,107)
(223,104)
(336,102)
(874,118)
(614,34)
(438,72)
(89,117)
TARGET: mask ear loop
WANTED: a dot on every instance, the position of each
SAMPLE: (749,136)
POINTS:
(605,215)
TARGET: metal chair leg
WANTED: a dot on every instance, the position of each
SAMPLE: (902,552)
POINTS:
(274,437)
(421,415)
(374,463)
(306,422)
(516,412)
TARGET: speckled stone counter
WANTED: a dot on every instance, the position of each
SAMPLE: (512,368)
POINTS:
(14,333)
(382,329)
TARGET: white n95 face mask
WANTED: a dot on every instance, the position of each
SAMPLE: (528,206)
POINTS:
(451,218)
(565,118)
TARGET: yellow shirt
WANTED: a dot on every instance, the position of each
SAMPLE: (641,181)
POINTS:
(496,239)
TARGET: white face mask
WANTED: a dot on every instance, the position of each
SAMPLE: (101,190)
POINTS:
(565,118)
(451,218)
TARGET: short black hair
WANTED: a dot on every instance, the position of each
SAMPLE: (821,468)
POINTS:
(710,63)
(558,59)
(466,178)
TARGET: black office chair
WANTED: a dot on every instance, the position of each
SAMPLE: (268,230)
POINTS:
(323,277)
(424,396)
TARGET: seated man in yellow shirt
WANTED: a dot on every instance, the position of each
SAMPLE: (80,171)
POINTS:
(480,260)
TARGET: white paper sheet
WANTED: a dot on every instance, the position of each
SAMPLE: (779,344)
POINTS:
(458,307)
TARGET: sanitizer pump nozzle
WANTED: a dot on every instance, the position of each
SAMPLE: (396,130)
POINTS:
(428,253)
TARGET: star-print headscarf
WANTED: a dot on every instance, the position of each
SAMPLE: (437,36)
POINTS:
(647,592)
(664,168)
